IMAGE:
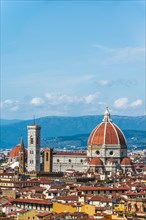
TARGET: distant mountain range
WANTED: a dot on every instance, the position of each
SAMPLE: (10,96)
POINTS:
(8,122)
(68,129)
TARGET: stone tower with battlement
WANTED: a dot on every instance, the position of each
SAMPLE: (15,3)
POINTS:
(33,160)
(48,159)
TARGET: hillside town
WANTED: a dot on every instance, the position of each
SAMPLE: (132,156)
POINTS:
(104,182)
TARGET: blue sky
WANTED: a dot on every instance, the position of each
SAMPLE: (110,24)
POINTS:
(72,58)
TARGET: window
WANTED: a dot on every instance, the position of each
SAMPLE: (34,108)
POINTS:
(111,153)
(81,161)
(97,152)
(31,140)
(47,156)
(57,160)
(69,160)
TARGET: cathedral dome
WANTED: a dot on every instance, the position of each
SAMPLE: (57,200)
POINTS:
(96,161)
(126,161)
(107,133)
(15,151)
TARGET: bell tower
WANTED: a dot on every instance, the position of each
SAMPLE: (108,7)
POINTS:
(22,157)
(33,162)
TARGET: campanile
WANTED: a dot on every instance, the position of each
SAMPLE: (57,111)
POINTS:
(33,161)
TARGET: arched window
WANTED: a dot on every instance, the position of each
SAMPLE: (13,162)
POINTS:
(47,156)
(31,140)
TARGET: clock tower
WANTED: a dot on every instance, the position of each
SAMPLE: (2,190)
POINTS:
(33,162)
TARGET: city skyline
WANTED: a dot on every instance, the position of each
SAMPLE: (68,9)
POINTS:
(72,58)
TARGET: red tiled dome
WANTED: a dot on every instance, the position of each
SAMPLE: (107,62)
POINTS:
(96,161)
(15,151)
(107,133)
(126,161)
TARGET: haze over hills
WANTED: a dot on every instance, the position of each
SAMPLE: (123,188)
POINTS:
(7,122)
(66,127)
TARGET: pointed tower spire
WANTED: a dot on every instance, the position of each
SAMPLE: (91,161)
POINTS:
(21,157)
(107,115)
(21,143)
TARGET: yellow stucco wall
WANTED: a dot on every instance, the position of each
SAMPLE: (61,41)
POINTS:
(60,207)
(115,217)
(89,209)
(31,214)
(120,207)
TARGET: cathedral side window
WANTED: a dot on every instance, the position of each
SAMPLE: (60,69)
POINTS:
(57,160)
(69,160)
(47,156)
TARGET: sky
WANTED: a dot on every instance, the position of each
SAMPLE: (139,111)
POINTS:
(72,58)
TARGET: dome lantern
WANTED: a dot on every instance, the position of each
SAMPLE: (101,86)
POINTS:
(106,116)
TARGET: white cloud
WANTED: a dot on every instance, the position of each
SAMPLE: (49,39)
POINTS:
(121,103)
(89,99)
(124,54)
(92,98)
(9,105)
(103,82)
(37,101)
(118,82)
(14,108)
(8,102)
(136,103)
(56,98)
(64,104)
(69,99)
